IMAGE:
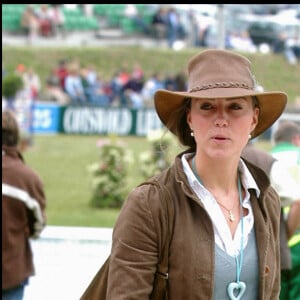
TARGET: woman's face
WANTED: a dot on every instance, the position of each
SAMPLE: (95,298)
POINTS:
(222,126)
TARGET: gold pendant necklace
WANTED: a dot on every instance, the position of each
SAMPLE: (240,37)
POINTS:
(231,216)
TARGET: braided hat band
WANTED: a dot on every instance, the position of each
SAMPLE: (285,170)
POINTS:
(221,85)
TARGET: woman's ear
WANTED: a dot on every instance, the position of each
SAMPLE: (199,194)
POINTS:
(188,117)
(255,118)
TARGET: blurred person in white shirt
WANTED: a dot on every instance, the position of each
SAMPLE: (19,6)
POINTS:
(285,177)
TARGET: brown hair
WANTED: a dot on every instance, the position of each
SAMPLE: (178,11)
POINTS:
(10,129)
(182,130)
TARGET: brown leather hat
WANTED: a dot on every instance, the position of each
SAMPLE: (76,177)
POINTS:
(217,73)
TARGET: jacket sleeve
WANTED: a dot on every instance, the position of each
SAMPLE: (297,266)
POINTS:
(136,240)
(36,213)
(36,205)
(276,225)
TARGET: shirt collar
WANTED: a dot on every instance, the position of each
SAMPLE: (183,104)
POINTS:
(247,179)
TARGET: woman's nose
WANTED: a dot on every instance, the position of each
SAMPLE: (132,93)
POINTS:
(221,119)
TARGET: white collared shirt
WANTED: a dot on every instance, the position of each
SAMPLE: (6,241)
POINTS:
(222,232)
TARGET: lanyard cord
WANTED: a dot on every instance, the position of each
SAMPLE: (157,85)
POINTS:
(239,263)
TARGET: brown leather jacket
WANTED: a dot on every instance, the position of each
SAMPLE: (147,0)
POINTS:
(138,231)
(23,216)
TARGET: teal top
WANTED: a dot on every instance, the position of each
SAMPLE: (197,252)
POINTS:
(225,271)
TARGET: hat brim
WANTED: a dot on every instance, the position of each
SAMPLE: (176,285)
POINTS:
(271,104)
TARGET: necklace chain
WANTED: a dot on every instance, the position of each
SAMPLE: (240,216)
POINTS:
(231,216)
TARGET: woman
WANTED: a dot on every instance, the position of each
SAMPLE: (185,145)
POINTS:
(225,241)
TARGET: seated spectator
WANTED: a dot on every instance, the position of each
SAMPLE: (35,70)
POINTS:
(180,81)
(175,28)
(204,31)
(74,86)
(193,30)
(57,19)
(30,23)
(242,42)
(116,88)
(289,47)
(53,91)
(133,99)
(154,83)
(32,83)
(44,15)
(169,82)
(91,74)
(84,81)
(62,72)
(159,23)
(134,84)
(279,43)
(120,78)
(95,92)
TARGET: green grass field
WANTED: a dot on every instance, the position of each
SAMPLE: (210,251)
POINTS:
(61,161)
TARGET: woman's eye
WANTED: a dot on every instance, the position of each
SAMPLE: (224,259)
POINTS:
(205,106)
(235,106)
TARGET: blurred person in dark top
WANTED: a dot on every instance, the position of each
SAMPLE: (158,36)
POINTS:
(133,88)
(62,72)
(159,23)
(23,212)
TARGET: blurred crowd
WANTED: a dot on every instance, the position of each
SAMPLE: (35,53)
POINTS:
(70,82)
(43,20)
(180,27)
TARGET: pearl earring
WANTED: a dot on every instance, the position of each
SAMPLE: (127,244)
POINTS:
(249,136)
(192,133)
